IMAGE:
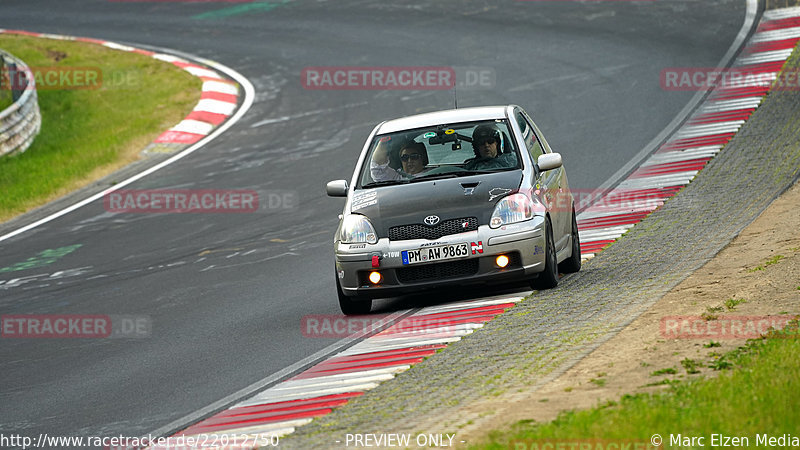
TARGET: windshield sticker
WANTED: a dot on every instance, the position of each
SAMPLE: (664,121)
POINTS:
(497,192)
(363,199)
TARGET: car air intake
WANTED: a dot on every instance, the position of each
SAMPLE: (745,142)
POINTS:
(440,271)
(421,231)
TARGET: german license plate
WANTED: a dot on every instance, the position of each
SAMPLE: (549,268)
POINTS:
(438,253)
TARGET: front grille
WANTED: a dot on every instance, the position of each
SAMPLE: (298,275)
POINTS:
(439,271)
(420,231)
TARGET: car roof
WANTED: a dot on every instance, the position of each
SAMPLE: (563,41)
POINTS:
(443,117)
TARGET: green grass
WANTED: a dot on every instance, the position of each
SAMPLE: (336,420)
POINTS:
(708,316)
(732,303)
(5,98)
(774,260)
(666,371)
(755,394)
(598,381)
(88,133)
(691,365)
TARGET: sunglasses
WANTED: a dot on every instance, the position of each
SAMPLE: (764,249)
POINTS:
(410,157)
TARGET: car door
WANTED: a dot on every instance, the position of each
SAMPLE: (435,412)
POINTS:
(552,184)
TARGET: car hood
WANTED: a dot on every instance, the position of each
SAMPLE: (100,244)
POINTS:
(449,198)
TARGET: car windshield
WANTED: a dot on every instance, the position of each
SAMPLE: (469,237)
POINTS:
(442,151)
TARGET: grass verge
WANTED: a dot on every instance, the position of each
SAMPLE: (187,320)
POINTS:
(89,129)
(755,395)
(5,97)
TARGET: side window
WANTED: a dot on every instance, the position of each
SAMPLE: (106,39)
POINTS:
(529,137)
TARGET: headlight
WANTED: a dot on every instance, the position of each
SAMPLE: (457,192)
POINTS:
(356,229)
(512,209)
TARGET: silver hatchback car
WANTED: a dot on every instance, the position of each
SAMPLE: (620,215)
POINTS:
(454,197)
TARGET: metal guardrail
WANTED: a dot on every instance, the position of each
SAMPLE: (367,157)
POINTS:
(20,122)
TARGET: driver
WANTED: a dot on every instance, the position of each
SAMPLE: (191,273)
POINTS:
(413,157)
(486,143)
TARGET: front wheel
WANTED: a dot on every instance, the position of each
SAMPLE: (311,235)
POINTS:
(548,278)
(352,306)
(573,263)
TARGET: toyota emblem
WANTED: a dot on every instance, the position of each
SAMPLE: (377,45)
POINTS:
(431,220)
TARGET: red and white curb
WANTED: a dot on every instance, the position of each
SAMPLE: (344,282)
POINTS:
(218,101)
(704,135)
(315,392)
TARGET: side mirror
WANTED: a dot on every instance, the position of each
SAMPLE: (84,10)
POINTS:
(549,161)
(336,188)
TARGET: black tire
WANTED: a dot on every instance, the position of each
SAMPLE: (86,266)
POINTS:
(548,278)
(573,263)
(352,306)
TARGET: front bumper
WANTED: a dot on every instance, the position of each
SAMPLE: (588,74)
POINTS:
(523,243)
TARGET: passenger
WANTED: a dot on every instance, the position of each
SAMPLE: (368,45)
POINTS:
(487,145)
(413,157)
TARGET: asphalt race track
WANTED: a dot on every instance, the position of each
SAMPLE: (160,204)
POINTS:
(226,293)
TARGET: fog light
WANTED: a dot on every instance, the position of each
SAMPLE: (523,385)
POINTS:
(375,277)
(501,261)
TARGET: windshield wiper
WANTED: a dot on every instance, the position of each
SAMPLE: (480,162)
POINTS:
(475,172)
(495,170)
(435,176)
(384,183)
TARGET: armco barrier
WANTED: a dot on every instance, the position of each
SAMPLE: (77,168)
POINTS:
(20,122)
